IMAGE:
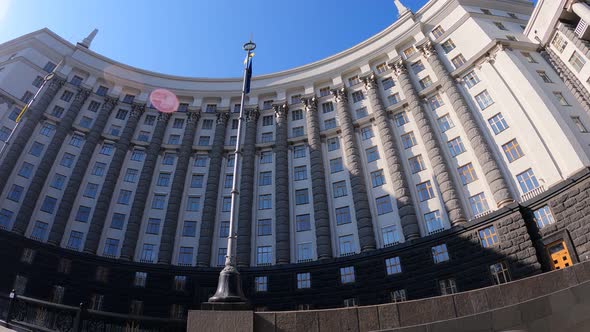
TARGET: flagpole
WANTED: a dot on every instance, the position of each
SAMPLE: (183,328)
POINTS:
(229,285)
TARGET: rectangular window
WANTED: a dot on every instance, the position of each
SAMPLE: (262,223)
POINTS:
(115,130)
(39,230)
(193,203)
(297,115)
(85,122)
(377,178)
(381,68)
(295,99)
(118,221)
(512,150)
(357,96)
(435,101)
(228,182)
(484,100)
(353,80)
(527,181)
(561,99)
(174,139)
(387,83)
(106,149)
(425,82)
(417,164)
(26,170)
(36,149)
(75,240)
(185,256)
(393,266)
(304,252)
(500,26)
(267,137)
(471,79)
(200,160)
(347,274)
(390,236)
(488,237)
(83,213)
(299,151)
(456,146)
(448,45)
(579,124)
(543,217)
(197,180)
(121,114)
(447,286)
(66,96)
(498,123)
(111,247)
(148,254)
(529,58)
(163,179)
(330,123)
(261,284)
(221,255)
(298,131)
(327,107)
(559,43)
(189,228)
(49,204)
(5,218)
(577,61)
(479,204)
(339,189)
(367,132)
(544,76)
(346,245)
(102,90)
(500,273)
(434,223)
(264,255)
(4,133)
(159,201)
(223,229)
(303,280)
(372,154)
(58,181)
(417,67)
(131,175)
(124,197)
(343,215)
(361,112)
(302,196)
(425,191)
(226,204)
(409,140)
(211,108)
(143,136)
(265,179)
(266,157)
(324,92)
(300,173)
(393,99)
(267,120)
(178,123)
(383,205)
(91,190)
(203,140)
(168,158)
(333,143)
(458,61)
(440,253)
(47,129)
(93,106)
(207,124)
(15,193)
(336,165)
(438,31)
(467,173)
(303,222)
(57,111)
(408,52)
(264,202)
(153,226)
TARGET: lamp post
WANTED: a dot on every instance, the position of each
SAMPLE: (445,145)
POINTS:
(229,285)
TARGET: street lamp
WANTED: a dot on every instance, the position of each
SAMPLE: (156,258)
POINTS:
(229,284)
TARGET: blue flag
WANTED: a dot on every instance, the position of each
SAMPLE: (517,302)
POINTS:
(248,77)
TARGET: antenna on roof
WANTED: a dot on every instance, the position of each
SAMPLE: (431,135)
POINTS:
(88,40)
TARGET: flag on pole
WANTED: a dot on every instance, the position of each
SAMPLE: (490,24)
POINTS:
(248,73)
(22,112)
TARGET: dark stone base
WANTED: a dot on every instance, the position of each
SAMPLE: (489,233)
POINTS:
(220,306)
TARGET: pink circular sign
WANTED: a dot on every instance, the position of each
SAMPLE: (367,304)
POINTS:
(164,101)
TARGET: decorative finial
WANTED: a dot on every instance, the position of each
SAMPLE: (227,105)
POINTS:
(401,9)
(88,40)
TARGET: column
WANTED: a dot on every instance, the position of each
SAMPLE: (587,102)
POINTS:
(110,180)
(437,158)
(281,152)
(247,190)
(64,127)
(74,183)
(321,214)
(354,162)
(568,77)
(401,191)
(177,190)
(30,121)
(143,188)
(212,192)
(482,151)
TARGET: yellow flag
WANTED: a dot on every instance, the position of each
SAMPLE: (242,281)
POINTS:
(22,112)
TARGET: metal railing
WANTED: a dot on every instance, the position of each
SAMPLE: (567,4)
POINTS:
(41,315)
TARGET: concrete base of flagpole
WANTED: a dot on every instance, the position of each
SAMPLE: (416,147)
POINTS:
(229,294)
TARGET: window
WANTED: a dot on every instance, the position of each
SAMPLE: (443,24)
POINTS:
(500,273)
(102,90)
(327,107)
(333,143)
(189,228)
(163,180)
(140,279)
(300,173)
(158,201)
(298,131)
(265,178)
(511,37)
(408,52)
(357,96)
(456,146)
(383,205)
(447,286)
(15,193)
(361,112)
(58,294)
(168,158)
(266,137)
(4,133)
(85,122)
(529,58)
(295,99)
(346,245)
(303,280)
(330,123)
(26,170)
(266,157)
(458,61)
(561,99)
(192,204)
(381,68)
(261,284)
(512,150)
(390,236)
(297,115)
(124,197)
(347,274)
(339,189)
(115,130)
(64,266)
(398,295)
(434,223)
(543,217)
(131,175)
(372,154)
(179,283)
(302,196)
(488,237)
(264,255)
(527,181)
(425,82)
(417,164)
(197,180)
(174,139)
(200,160)
(49,204)
(226,204)
(445,123)
(409,140)
(147,253)
(267,120)
(39,230)
(47,129)
(36,149)
(471,79)
(377,178)
(559,43)
(353,80)
(387,83)
(223,229)
(367,132)
(336,165)
(57,111)
(393,266)
(66,96)
(20,284)
(5,217)
(467,173)
(484,100)
(438,31)
(479,204)
(264,202)
(343,215)
(211,108)
(417,67)
(221,255)
(58,181)
(500,26)
(304,252)
(203,140)
(544,76)
(324,92)
(393,99)
(448,45)
(118,221)
(111,247)
(298,151)
(577,61)
(121,114)
(75,240)
(425,191)
(435,101)
(153,226)
(178,123)
(497,123)
(234,124)
(106,149)
(49,66)
(91,190)
(138,155)
(228,182)
(579,124)
(27,96)
(440,253)
(185,256)
(83,213)
(303,222)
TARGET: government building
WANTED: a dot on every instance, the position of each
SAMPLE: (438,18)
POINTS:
(447,153)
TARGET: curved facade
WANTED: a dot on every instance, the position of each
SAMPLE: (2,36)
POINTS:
(427,153)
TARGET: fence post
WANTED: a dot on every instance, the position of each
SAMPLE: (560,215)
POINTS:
(11,299)
(79,317)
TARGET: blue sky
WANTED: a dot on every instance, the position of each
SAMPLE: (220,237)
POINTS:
(204,37)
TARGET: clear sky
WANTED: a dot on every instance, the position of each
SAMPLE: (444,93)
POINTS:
(204,38)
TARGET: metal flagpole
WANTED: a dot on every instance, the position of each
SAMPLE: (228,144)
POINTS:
(229,286)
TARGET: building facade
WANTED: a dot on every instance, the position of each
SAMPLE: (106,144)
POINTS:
(446,153)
